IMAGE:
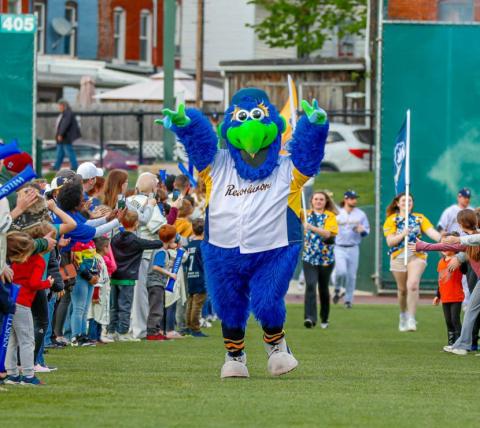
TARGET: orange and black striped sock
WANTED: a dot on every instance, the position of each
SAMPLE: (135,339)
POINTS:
(273,336)
(234,340)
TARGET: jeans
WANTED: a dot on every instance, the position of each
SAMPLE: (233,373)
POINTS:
(140,302)
(81,299)
(317,275)
(156,303)
(47,339)
(40,320)
(471,314)
(61,149)
(61,314)
(94,330)
(121,298)
(346,266)
(171,312)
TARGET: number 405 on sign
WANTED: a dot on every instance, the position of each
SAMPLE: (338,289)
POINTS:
(17,23)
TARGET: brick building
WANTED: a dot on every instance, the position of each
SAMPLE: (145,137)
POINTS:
(435,10)
(131,32)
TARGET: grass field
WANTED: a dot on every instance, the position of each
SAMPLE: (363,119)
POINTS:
(338,182)
(359,372)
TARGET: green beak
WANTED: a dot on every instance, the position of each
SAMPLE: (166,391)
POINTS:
(252,136)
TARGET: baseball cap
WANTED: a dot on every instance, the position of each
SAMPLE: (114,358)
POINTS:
(350,194)
(58,182)
(88,170)
(17,163)
(466,193)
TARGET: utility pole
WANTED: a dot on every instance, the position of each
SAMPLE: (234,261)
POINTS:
(168,70)
(199,53)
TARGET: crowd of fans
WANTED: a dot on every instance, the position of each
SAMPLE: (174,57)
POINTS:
(93,259)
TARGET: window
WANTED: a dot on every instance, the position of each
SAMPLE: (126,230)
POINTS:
(119,34)
(456,10)
(364,135)
(71,39)
(14,6)
(146,37)
(334,137)
(346,45)
(39,10)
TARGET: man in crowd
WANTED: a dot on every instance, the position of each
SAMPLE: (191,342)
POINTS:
(66,133)
(448,219)
(89,173)
(352,227)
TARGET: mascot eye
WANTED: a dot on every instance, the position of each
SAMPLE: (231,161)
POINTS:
(241,115)
(257,114)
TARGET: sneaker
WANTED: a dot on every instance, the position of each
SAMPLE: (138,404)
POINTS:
(456,351)
(59,344)
(235,366)
(156,337)
(38,368)
(402,325)
(411,324)
(174,335)
(13,380)
(75,342)
(198,334)
(106,338)
(127,337)
(308,323)
(280,358)
(324,325)
(61,339)
(85,341)
(348,305)
(336,298)
(34,381)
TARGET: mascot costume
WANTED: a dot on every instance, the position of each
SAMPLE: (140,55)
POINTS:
(253,231)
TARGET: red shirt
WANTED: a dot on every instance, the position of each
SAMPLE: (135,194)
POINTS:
(450,283)
(29,276)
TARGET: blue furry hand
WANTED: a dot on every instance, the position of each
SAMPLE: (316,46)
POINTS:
(171,117)
(315,114)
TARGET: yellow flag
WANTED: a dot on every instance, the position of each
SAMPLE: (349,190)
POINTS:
(289,112)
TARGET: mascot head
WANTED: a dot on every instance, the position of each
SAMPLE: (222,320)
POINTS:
(252,129)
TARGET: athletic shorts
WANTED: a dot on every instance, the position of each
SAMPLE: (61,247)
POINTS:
(398,265)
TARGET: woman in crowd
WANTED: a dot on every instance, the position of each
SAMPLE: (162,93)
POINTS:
(407,275)
(70,199)
(470,245)
(318,257)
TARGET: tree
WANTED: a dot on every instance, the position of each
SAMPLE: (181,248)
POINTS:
(308,24)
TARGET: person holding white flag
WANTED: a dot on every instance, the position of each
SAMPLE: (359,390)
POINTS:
(403,227)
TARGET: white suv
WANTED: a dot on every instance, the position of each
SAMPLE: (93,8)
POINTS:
(348,148)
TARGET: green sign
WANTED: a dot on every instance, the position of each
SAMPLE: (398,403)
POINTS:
(17,79)
(17,24)
(434,70)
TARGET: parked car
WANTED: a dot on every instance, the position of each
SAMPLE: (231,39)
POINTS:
(87,151)
(348,148)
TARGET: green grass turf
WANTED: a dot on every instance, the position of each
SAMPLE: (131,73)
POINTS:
(359,372)
(339,182)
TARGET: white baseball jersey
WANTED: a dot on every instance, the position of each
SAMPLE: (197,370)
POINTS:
(256,215)
(448,219)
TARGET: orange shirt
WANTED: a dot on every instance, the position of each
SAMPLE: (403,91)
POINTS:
(184,227)
(449,283)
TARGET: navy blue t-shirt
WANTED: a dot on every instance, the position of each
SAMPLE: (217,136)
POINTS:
(195,274)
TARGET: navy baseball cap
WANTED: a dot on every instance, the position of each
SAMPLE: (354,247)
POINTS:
(255,93)
(466,193)
(350,194)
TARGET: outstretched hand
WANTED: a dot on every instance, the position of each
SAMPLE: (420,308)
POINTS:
(315,114)
(174,117)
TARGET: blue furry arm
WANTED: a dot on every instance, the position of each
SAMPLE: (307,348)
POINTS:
(199,139)
(307,146)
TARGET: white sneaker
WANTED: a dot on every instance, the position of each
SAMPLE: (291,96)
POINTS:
(38,368)
(402,325)
(411,324)
(280,358)
(456,351)
(448,348)
(174,335)
(107,338)
(324,325)
(127,337)
(234,367)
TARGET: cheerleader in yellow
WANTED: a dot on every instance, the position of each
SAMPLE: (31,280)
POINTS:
(318,257)
(406,276)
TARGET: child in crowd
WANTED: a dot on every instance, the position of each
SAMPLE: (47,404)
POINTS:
(28,271)
(99,312)
(128,250)
(160,271)
(183,224)
(197,291)
(450,293)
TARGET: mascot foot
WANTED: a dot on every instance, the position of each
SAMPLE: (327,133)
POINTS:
(235,367)
(280,359)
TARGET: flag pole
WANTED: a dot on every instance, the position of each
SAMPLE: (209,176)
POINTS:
(293,123)
(407,183)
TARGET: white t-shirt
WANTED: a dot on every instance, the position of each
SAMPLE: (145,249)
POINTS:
(448,219)
(255,216)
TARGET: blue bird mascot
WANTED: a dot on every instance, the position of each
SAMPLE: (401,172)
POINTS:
(253,230)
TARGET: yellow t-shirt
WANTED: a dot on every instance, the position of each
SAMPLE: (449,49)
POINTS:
(184,227)
(395,223)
